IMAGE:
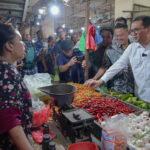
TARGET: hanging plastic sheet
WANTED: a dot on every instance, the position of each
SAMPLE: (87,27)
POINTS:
(98,38)
(82,42)
(90,43)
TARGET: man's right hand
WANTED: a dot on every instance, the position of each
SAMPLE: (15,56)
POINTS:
(94,83)
(72,61)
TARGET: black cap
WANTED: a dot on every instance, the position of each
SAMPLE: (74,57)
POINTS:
(66,45)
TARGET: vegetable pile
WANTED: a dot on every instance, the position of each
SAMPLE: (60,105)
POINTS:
(139,128)
(131,99)
(98,106)
(83,94)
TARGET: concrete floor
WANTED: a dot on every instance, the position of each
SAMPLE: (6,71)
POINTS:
(59,137)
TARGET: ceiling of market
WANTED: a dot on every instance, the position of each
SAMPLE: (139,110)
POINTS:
(72,12)
(13,8)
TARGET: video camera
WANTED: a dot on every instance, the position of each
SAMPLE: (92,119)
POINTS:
(76,52)
(80,58)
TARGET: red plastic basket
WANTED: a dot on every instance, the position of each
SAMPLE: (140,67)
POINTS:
(83,146)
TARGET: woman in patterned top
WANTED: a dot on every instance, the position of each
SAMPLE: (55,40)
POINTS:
(15,102)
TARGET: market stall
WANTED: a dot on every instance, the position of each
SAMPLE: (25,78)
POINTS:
(79,113)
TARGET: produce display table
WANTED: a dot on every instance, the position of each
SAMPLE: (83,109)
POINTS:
(135,111)
(100,105)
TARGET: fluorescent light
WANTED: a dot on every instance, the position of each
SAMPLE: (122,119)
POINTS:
(71,30)
(63,25)
(82,28)
(66,1)
(98,26)
(33,41)
(55,33)
(41,11)
(54,10)
(37,23)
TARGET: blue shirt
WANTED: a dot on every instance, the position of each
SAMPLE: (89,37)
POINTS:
(34,70)
(74,73)
(39,46)
(57,48)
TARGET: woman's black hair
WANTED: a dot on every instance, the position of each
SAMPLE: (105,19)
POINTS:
(7,33)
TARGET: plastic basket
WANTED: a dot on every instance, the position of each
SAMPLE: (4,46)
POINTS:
(83,146)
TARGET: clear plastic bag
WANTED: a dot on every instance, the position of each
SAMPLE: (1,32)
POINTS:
(115,133)
(33,82)
(40,111)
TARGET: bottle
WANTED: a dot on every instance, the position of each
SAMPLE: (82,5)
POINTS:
(52,145)
(46,129)
(45,143)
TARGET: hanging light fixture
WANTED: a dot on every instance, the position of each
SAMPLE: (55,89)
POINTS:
(82,28)
(54,10)
(71,30)
(41,11)
(37,23)
(63,25)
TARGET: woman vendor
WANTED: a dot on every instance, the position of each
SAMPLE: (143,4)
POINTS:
(15,102)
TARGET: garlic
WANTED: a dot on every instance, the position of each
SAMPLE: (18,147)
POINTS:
(147,146)
(139,143)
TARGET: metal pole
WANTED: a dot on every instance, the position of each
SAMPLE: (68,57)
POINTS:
(87,14)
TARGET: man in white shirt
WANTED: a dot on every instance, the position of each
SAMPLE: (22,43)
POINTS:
(137,55)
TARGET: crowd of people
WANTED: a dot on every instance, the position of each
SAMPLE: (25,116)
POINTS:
(44,55)
(128,59)
(121,62)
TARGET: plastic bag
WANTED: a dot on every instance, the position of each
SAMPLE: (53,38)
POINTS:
(40,117)
(33,82)
(82,42)
(90,43)
(98,38)
(115,133)
(37,105)
(38,135)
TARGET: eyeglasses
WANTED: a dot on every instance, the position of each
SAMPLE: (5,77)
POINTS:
(136,30)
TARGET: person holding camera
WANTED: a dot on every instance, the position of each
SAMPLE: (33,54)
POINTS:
(69,63)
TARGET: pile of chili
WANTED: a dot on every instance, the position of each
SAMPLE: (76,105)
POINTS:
(83,94)
(98,106)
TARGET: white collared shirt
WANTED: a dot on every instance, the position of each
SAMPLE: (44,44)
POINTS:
(140,66)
